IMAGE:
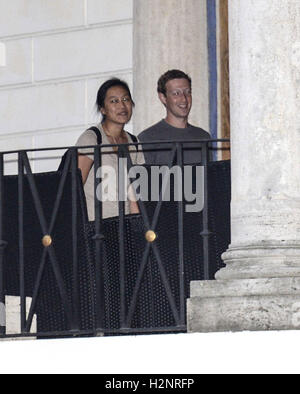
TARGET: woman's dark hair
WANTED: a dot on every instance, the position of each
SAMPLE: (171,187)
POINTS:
(105,87)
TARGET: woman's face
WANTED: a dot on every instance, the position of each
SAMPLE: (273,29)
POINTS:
(117,105)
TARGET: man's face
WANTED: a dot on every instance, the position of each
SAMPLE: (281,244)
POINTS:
(178,98)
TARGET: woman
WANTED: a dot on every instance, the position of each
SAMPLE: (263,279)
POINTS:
(115,104)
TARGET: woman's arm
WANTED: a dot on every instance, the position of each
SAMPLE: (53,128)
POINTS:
(133,205)
(138,159)
(134,208)
(85,165)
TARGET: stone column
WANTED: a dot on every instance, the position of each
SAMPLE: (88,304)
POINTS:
(169,34)
(260,286)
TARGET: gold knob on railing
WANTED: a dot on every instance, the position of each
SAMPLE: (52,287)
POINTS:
(150,236)
(47,241)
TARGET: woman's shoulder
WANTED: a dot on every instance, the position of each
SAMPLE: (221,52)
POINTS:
(131,137)
(88,137)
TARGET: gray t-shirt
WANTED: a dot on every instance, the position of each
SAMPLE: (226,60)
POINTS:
(160,154)
(110,207)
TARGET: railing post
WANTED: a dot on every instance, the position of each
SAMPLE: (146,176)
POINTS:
(122,192)
(99,239)
(2,248)
(205,233)
(180,237)
(21,240)
(75,293)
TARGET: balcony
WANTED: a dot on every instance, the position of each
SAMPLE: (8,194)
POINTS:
(128,274)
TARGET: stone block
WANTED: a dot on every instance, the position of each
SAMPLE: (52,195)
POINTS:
(42,107)
(85,52)
(13,143)
(244,305)
(99,11)
(2,54)
(23,16)
(12,311)
(18,61)
(49,160)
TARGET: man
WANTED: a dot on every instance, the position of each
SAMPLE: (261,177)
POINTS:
(175,92)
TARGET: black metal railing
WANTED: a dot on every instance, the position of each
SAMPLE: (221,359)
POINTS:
(88,278)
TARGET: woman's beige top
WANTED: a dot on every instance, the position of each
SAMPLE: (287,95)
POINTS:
(109,166)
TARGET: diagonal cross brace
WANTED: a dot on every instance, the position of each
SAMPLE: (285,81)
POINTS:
(47,230)
(154,247)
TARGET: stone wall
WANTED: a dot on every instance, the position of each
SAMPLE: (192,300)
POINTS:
(57,52)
